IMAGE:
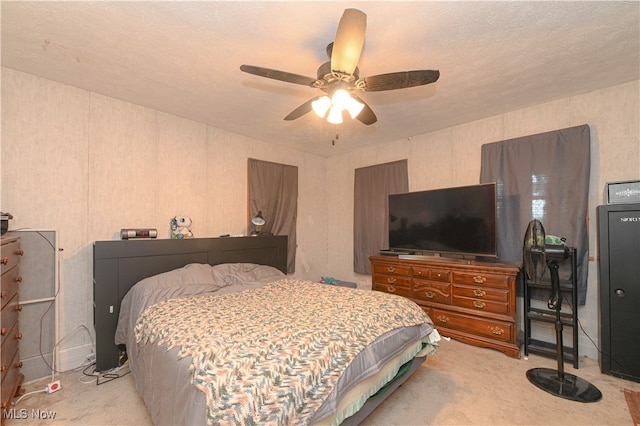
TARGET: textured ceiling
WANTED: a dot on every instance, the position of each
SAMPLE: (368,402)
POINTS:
(183,58)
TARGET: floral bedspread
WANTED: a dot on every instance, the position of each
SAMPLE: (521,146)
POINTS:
(271,355)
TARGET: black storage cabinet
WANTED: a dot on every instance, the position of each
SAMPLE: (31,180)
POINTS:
(619,292)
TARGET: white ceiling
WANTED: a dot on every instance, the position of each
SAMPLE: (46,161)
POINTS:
(184,57)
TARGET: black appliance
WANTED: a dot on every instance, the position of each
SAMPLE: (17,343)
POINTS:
(451,221)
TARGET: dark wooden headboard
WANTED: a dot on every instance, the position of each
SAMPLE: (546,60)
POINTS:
(119,265)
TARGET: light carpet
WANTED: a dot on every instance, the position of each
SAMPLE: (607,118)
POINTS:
(459,385)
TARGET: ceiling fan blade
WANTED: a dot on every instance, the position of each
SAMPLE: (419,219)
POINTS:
(400,80)
(366,116)
(347,46)
(301,110)
(278,75)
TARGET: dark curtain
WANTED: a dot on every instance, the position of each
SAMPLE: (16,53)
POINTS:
(544,177)
(273,190)
(372,188)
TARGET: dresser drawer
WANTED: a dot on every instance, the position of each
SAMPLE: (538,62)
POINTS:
(9,349)
(10,380)
(9,255)
(401,287)
(493,329)
(481,293)
(431,274)
(481,279)
(389,269)
(482,305)
(432,291)
(9,317)
(10,282)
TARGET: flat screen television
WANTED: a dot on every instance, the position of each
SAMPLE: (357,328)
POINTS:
(452,222)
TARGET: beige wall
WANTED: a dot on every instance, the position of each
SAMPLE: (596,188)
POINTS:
(451,157)
(88,165)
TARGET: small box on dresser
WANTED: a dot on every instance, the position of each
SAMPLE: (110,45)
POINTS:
(471,301)
(12,377)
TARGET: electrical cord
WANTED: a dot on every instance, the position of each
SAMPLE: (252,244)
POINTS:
(595,345)
(106,377)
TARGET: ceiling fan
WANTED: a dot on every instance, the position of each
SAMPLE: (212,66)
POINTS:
(339,78)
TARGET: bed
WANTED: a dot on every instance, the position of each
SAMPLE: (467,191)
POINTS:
(231,339)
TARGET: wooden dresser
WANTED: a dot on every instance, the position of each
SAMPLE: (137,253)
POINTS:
(10,253)
(474,302)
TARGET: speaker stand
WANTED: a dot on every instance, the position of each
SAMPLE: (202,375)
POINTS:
(557,382)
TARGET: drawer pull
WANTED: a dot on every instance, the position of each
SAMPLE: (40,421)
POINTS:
(19,364)
(4,368)
(391,289)
(429,294)
(20,252)
(443,319)
(19,308)
(479,279)
(19,336)
(391,280)
(478,304)
(479,293)
(497,330)
(439,275)
(4,260)
(3,331)
(18,279)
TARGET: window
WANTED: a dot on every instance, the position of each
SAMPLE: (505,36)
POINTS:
(273,190)
(372,187)
(544,177)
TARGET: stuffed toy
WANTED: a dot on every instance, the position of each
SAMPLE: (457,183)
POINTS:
(181,227)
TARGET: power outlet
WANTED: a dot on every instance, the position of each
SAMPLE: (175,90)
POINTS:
(53,386)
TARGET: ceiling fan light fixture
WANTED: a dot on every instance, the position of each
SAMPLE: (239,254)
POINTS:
(340,99)
(335,115)
(321,106)
(354,107)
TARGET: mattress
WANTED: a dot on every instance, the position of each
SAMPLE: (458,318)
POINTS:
(168,377)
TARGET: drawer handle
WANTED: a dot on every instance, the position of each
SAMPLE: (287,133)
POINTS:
(19,336)
(391,289)
(391,269)
(479,293)
(443,319)
(4,368)
(3,331)
(20,252)
(4,260)
(18,279)
(429,294)
(479,279)
(439,275)
(478,304)
(19,308)
(19,364)
(497,330)
(391,280)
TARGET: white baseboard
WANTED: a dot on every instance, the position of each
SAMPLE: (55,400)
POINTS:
(68,359)
(72,358)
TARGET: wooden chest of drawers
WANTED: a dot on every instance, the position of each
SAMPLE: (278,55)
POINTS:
(12,378)
(474,302)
